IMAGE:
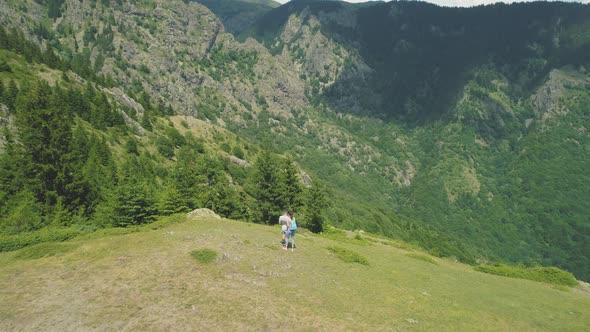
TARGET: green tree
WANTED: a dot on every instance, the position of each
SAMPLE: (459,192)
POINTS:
(315,205)
(5,67)
(54,8)
(134,202)
(217,192)
(185,178)
(293,191)
(99,170)
(23,215)
(46,136)
(238,152)
(165,146)
(265,186)
(10,94)
(15,171)
(131,146)
(171,201)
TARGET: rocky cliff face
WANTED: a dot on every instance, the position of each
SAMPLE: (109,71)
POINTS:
(164,48)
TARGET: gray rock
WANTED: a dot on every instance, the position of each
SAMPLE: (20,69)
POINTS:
(202,213)
(240,162)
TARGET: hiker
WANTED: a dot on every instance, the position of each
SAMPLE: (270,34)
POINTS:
(291,231)
(285,222)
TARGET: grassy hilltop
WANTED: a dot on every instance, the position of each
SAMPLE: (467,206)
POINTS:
(148,280)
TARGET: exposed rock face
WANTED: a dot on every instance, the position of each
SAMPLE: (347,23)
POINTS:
(546,101)
(4,122)
(306,179)
(322,61)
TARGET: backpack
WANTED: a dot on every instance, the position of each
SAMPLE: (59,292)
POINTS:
(293,224)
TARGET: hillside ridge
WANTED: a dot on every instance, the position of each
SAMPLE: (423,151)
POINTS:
(148,279)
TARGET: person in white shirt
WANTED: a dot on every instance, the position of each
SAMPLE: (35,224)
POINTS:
(285,222)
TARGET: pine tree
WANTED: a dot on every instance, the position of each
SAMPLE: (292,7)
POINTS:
(23,215)
(104,212)
(265,186)
(4,41)
(99,172)
(293,191)
(10,95)
(185,178)
(15,173)
(45,134)
(316,203)
(134,203)
(171,201)
(60,215)
(218,194)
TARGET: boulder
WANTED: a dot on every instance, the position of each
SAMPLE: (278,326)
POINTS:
(240,162)
(203,212)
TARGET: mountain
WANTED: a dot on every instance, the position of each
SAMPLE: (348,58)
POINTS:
(148,279)
(421,55)
(438,126)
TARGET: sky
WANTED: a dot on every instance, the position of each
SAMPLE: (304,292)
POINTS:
(452,3)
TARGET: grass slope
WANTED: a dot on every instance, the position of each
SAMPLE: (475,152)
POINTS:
(148,281)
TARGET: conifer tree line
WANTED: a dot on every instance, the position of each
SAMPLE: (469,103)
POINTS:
(58,168)
(275,186)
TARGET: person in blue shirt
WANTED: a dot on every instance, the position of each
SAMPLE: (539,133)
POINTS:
(291,231)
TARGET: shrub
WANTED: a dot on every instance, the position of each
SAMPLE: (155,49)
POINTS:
(167,220)
(421,257)
(204,256)
(348,256)
(550,275)
(225,147)
(165,146)
(14,242)
(24,215)
(339,235)
(104,232)
(4,67)
(238,152)
(45,250)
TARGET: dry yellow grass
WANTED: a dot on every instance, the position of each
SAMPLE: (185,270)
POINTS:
(149,281)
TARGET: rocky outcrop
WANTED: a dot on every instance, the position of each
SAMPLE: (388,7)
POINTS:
(4,123)
(203,213)
(546,100)
(240,162)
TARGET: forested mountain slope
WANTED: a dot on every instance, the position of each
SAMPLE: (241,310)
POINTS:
(439,126)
